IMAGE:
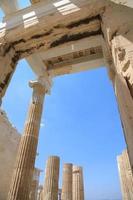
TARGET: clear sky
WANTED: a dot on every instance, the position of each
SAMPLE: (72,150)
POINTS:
(80,123)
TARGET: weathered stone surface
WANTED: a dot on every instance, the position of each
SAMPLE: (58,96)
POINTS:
(126,177)
(43,27)
(125,103)
(50,190)
(78,183)
(9,142)
(34,188)
(67,182)
(28,38)
(117,28)
(23,172)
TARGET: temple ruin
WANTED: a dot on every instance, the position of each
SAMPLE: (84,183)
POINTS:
(72,181)
(64,37)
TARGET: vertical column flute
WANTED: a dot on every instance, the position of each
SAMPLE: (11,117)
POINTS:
(23,172)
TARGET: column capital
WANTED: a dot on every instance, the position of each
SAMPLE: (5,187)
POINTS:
(42,84)
(37,85)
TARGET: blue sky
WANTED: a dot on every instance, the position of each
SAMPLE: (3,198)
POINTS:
(80,123)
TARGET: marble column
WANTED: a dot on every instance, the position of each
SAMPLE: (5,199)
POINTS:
(50,190)
(23,172)
(35,184)
(78,185)
(67,182)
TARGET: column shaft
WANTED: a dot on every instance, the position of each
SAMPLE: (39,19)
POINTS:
(35,184)
(22,177)
(50,191)
(78,186)
(67,182)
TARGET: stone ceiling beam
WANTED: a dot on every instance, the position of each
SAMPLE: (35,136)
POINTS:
(74,68)
(72,47)
(39,67)
(24,32)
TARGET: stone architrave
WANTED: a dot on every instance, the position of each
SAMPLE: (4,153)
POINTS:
(67,182)
(50,190)
(78,185)
(23,172)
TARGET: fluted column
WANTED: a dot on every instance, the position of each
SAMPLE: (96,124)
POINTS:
(35,184)
(67,182)
(22,177)
(78,186)
(50,190)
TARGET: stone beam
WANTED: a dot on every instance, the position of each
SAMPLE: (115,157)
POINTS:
(128,3)
(38,61)
(42,27)
(74,68)
(27,41)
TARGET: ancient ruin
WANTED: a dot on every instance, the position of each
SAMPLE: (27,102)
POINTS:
(24,167)
(67,182)
(72,183)
(50,189)
(78,184)
(64,37)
